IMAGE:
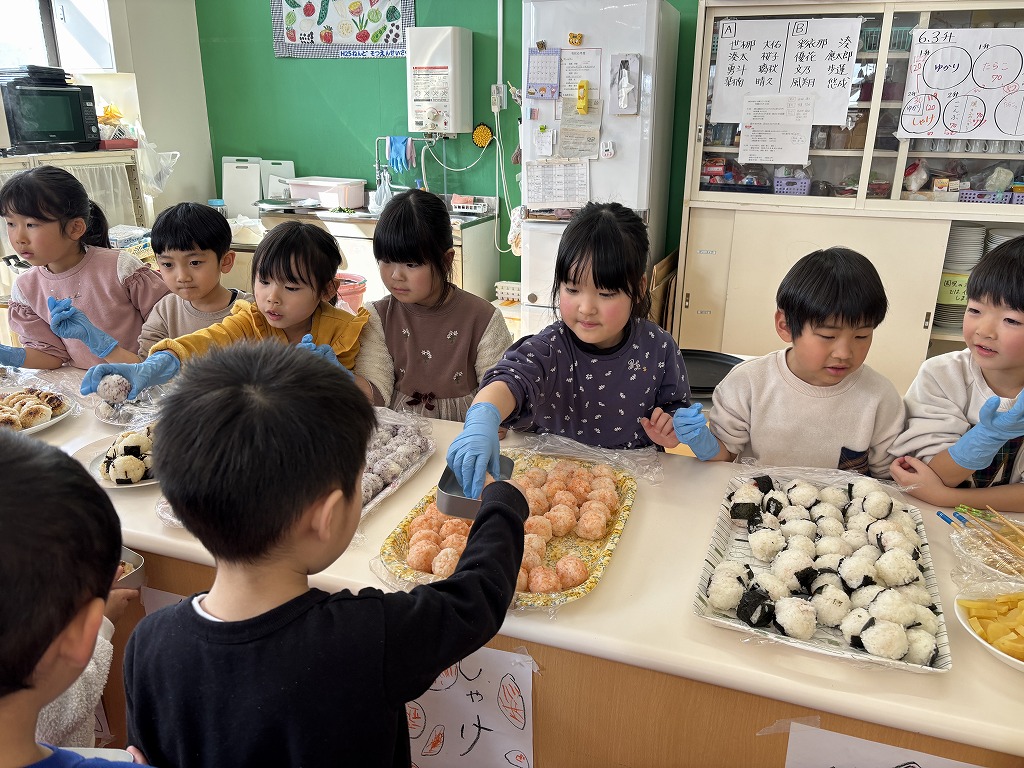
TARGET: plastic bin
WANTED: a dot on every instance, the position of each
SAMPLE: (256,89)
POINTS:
(788,186)
(351,288)
(983,196)
(332,192)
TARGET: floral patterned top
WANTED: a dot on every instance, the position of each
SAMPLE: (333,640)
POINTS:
(430,360)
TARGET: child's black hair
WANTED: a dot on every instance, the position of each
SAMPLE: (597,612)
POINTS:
(46,193)
(998,277)
(271,429)
(833,285)
(609,241)
(415,228)
(97,229)
(191,227)
(60,545)
(294,252)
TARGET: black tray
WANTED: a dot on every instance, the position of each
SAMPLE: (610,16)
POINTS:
(705,369)
(765,189)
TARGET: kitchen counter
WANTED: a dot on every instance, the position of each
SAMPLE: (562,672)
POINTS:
(629,675)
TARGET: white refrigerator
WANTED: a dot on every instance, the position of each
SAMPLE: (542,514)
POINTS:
(619,150)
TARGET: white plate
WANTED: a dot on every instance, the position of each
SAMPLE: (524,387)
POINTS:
(91,457)
(729,542)
(47,424)
(987,590)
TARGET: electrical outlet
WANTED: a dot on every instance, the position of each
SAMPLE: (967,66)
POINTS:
(497,97)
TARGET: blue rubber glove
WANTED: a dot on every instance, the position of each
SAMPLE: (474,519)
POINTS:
(322,350)
(692,430)
(980,444)
(69,322)
(476,451)
(12,356)
(399,147)
(158,368)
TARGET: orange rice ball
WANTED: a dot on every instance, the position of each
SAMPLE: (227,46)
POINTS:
(603,470)
(544,579)
(540,526)
(425,535)
(579,487)
(535,477)
(531,559)
(609,498)
(424,523)
(571,571)
(564,465)
(456,541)
(422,555)
(454,525)
(551,487)
(603,482)
(564,497)
(537,500)
(537,543)
(444,563)
(591,526)
(562,519)
(596,506)
(523,580)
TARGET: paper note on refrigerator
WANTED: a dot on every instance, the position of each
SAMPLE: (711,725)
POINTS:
(557,184)
(776,129)
(580,64)
(579,135)
(542,73)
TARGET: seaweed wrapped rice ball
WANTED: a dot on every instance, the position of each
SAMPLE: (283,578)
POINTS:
(836,495)
(126,470)
(886,639)
(727,584)
(801,493)
(857,572)
(795,617)
(890,605)
(896,568)
(766,543)
(755,608)
(772,585)
(853,624)
(801,544)
(831,604)
(921,647)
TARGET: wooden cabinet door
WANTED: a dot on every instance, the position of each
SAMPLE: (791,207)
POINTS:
(908,254)
(707,251)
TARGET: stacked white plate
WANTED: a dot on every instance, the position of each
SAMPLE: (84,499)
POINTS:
(995,237)
(965,246)
(950,315)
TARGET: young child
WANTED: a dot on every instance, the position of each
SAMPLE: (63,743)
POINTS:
(80,301)
(263,670)
(428,344)
(814,404)
(965,416)
(48,625)
(293,284)
(597,374)
(193,249)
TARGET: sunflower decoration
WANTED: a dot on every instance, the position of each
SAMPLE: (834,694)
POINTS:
(482,135)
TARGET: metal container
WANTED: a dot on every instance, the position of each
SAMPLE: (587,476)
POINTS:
(453,501)
(137,577)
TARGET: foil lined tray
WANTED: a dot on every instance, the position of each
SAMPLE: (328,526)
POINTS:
(596,554)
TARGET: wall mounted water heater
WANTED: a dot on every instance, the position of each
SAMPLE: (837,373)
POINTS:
(439,79)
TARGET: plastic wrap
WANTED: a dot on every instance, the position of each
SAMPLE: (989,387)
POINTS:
(391,567)
(729,541)
(916,176)
(979,561)
(166,515)
(18,380)
(132,414)
(638,462)
(388,423)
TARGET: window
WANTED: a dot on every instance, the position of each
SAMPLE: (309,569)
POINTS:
(26,34)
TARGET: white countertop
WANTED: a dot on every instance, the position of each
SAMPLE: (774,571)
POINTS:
(640,613)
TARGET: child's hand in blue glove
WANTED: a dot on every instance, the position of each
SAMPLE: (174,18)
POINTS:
(980,444)
(692,429)
(476,451)
(69,322)
(158,368)
(322,350)
(12,356)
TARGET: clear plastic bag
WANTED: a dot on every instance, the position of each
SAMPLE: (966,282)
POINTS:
(389,421)
(154,167)
(640,462)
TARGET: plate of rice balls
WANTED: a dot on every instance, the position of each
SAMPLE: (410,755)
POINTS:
(28,410)
(827,561)
(399,446)
(127,460)
(577,512)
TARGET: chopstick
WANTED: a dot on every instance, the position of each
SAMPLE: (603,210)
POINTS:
(1012,526)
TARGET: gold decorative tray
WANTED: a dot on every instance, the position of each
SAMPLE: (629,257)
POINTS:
(596,554)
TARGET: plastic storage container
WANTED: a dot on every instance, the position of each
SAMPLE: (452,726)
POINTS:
(332,192)
(219,206)
(351,288)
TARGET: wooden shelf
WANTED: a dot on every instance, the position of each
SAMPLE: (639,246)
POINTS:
(941,333)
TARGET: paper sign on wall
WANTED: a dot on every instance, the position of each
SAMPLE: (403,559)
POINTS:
(965,82)
(813,57)
(477,714)
(776,129)
(814,747)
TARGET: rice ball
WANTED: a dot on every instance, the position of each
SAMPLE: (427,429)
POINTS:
(832,545)
(772,585)
(544,579)
(747,493)
(793,513)
(562,519)
(564,497)
(853,624)
(878,504)
(885,639)
(766,543)
(856,539)
(537,501)
(828,562)
(828,527)
(755,608)
(864,486)
(857,571)
(917,593)
(387,470)
(727,584)
(896,568)
(868,552)
(774,502)
(114,388)
(827,578)
(425,535)
(531,559)
(523,580)
(535,477)
(890,605)
(135,444)
(801,493)
(831,605)
(445,562)
(787,564)
(603,483)
(539,526)
(795,617)
(801,544)
(572,571)
(537,543)
(454,525)
(860,598)
(455,541)
(799,528)
(591,526)
(597,506)
(421,556)
(825,511)
(609,498)
(921,647)
(858,520)
(836,495)
(126,470)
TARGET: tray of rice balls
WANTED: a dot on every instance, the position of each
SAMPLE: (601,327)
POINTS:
(125,460)
(826,561)
(399,446)
(30,409)
(577,512)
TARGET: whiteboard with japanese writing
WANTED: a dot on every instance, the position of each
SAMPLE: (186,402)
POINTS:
(477,714)
(964,82)
(799,57)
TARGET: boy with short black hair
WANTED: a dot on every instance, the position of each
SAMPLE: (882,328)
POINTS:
(192,243)
(60,547)
(965,416)
(263,670)
(814,404)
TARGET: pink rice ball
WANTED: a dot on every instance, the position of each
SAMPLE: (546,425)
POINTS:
(571,571)
(421,556)
(562,519)
(591,526)
(540,526)
(445,562)
(544,579)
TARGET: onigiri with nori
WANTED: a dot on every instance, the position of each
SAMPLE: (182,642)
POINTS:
(795,617)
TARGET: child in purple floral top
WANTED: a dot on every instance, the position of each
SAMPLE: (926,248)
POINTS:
(603,374)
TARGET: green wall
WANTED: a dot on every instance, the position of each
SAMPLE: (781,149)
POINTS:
(325,113)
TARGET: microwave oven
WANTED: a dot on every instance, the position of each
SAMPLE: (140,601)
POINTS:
(48,118)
